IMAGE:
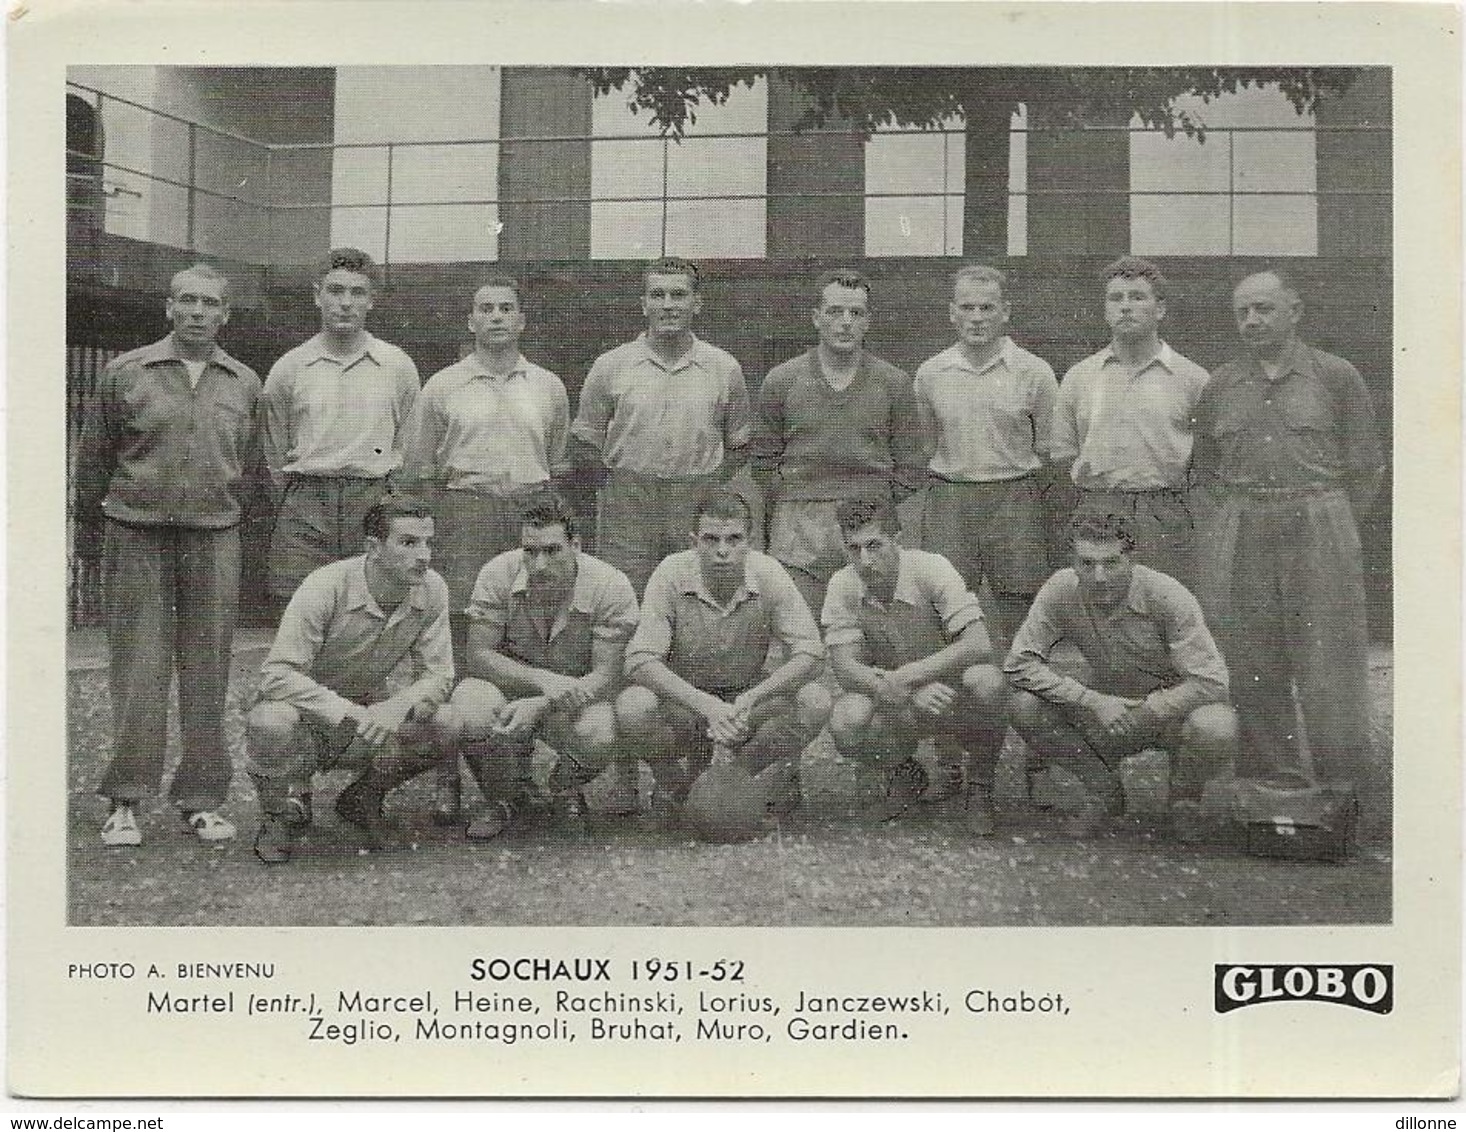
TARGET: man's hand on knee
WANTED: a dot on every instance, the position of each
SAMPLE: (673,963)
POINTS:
(380,723)
(934,698)
(518,719)
(725,725)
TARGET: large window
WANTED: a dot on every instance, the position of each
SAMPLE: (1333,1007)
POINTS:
(377,105)
(926,172)
(651,194)
(915,186)
(1246,190)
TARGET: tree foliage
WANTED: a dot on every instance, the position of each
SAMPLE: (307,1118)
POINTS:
(866,98)
(863,99)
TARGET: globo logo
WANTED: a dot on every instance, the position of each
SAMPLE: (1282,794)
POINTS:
(1364,986)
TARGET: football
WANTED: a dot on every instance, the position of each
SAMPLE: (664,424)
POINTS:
(726,804)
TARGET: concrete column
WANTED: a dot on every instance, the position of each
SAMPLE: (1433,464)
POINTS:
(832,226)
(539,102)
(1090,223)
(1356,161)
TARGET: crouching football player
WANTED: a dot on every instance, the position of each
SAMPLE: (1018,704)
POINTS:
(698,663)
(360,667)
(1157,678)
(547,626)
(909,647)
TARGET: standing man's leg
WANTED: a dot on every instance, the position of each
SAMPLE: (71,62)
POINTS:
(1259,643)
(138,580)
(1331,638)
(1171,534)
(805,539)
(949,528)
(303,534)
(207,598)
(628,527)
(471,529)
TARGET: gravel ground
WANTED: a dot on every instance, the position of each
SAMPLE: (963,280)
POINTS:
(822,869)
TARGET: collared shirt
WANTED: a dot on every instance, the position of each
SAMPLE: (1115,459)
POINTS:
(157,450)
(601,607)
(472,430)
(929,608)
(720,649)
(1312,427)
(1127,431)
(1153,646)
(645,416)
(337,649)
(330,416)
(993,422)
(826,443)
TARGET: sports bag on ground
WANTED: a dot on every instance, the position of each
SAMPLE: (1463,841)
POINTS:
(1296,818)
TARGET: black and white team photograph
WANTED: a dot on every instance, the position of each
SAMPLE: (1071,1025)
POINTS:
(743,496)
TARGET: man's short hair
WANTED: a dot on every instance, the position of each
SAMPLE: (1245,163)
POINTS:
(203,271)
(549,509)
(1285,279)
(1101,528)
(349,259)
(725,504)
(508,282)
(843,277)
(1133,267)
(377,522)
(981,273)
(671,265)
(852,514)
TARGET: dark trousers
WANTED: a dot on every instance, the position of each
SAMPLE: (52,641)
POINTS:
(172,598)
(1283,592)
(320,521)
(641,519)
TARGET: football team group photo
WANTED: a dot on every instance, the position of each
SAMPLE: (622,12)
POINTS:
(779,496)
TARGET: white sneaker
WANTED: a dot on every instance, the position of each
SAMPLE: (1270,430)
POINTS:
(121,828)
(210,826)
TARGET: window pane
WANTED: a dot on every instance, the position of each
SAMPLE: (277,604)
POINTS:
(727,229)
(903,163)
(626,169)
(444,233)
(1268,225)
(704,166)
(1178,225)
(359,176)
(1017,184)
(904,226)
(1272,160)
(364,228)
(1178,164)
(1276,162)
(445,173)
(626,231)
(231,230)
(698,166)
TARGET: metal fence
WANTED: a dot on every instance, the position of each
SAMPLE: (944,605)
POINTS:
(193,152)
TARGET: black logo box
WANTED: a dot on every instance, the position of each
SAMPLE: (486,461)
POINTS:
(1364,986)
